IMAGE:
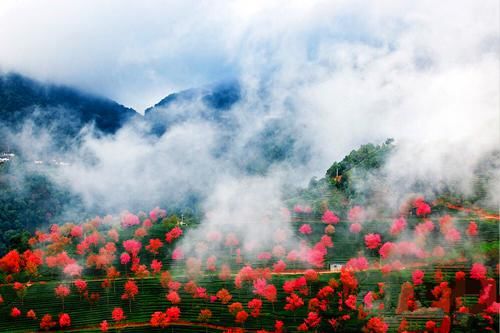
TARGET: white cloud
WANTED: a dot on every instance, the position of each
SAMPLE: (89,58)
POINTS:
(341,73)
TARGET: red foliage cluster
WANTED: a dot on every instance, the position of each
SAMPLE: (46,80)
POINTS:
(478,271)
(173,234)
(293,302)
(349,281)
(422,208)
(118,315)
(418,277)
(173,297)
(129,220)
(224,296)
(62,291)
(357,264)
(47,323)
(329,217)
(81,285)
(104,326)
(64,320)
(255,305)
(154,246)
(241,316)
(398,225)
(100,252)
(373,241)
(472,229)
(305,229)
(130,290)
(162,319)
(15,312)
(132,246)
(205,315)
(377,325)
(296,285)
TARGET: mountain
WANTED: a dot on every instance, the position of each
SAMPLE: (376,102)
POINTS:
(60,108)
(64,111)
(271,142)
(208,103)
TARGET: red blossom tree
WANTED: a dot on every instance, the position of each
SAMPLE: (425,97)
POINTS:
(305,229)
(159,319)
(81,286)
(154,246)
(11,262)
(132,246)
(376,325)
(472,229)
(15,312)
(349,281)
(293,302)
(204,317)
(329,217)
(173,234)
(64,320)
(73,270)
(173,297)
(478,271)
(32,260)
(373,241)
(21,290)
(62,291)
(417,277)
(350,302)
(224,296)
(129,219)
(156,266)
(422,208)
(47,323)
(174,313)
(398,225)
(112,274)
(279,266)
(104,326)
(130,291)
(241,317)
(118,315)
(31,314)
(255,305)
(313,320)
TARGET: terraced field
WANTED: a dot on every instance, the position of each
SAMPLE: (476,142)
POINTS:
(87,312)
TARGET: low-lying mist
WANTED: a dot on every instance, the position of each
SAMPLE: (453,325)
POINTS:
(300,110)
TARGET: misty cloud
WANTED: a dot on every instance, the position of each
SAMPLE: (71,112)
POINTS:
(333,74)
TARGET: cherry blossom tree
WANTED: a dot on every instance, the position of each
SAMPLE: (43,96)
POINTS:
(329,217)
(130,291)
(47,323)
(64,320)
(62,291)
(118,315)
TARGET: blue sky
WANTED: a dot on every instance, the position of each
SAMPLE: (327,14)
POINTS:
(139,51)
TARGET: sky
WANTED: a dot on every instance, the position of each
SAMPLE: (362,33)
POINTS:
(137,52)
(337,73)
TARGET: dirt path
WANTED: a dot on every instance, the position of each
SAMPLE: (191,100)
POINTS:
(480,212)
(148,324)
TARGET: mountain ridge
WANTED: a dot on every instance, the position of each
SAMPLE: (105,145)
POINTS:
(22,98)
